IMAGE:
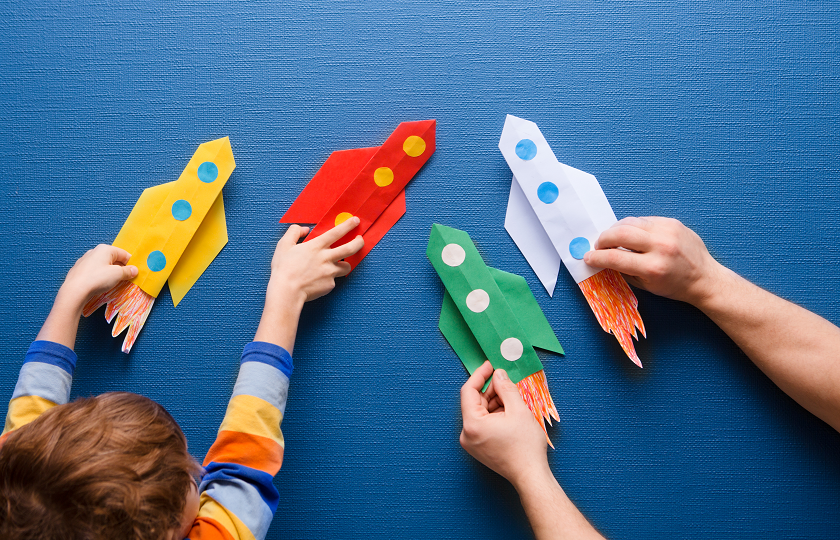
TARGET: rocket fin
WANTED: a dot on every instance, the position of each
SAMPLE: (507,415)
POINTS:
(524,227)
(527,310)
(144,210)
(456,331)
(209,239)
(328,183)
(380,227)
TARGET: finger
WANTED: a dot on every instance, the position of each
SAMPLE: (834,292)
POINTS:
(484,401)
(342,268)
(494,405)
(129,272)
(114,274)
(490,393)
(345,250)
(626,236)
(625,262)
(471,391)
(647,223)
(506,391)
(118,255)
(292,236)
(339,231)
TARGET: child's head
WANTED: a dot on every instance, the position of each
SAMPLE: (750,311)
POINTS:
(113,466)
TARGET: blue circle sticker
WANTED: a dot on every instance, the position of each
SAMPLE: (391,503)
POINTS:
(526,149)
(208,172)
(578,247)
(548,192)
(156,261)
(181,210)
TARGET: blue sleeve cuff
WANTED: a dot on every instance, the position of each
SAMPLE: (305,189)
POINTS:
(56,354)
(268,353)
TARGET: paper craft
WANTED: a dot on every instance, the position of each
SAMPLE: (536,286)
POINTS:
(365,182)
(173,234)
(491,315)
(556,213)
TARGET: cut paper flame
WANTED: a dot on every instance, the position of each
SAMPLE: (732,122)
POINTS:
(616,308)
(130,305)
(534,392)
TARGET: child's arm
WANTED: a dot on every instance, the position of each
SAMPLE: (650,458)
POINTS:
(238,499)
(47,371)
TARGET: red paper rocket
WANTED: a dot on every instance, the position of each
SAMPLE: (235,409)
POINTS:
(365,182)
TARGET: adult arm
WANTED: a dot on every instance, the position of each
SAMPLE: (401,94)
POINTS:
(501,432)
(47,372)
(237,496)
(797,349)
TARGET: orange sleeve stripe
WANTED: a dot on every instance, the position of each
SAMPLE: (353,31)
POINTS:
(206,528)
(260,453)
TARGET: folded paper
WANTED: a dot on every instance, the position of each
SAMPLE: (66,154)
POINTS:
(173,234)
(555,214)
(492,315)
(365,182)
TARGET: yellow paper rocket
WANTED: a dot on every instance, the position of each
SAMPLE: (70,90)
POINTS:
(173,234)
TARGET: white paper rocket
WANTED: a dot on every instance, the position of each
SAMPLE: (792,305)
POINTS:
(555,214)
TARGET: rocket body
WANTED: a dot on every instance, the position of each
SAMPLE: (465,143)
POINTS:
(551,205)
(365,182)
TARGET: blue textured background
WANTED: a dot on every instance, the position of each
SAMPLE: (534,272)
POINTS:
(722,114)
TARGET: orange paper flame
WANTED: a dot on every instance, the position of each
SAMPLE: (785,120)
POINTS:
(616,308)
(131,305)
(534,391)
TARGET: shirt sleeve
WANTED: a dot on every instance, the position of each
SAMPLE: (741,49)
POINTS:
(43,383)
(237,496)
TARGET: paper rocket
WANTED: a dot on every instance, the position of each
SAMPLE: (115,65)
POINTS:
(173,234)
(492,315)
(365,182)
(555,214)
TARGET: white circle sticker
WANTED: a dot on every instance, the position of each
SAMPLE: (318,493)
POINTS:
(478,300)
(511,349)
(453,254)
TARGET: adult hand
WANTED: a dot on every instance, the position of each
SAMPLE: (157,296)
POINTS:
(499,429)
(97,271)
(308,270)
(660,255)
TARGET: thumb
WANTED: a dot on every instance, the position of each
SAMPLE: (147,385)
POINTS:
(506,391)
(127,272)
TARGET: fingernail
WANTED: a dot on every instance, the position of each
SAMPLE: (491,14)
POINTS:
(356,220)
(501,374)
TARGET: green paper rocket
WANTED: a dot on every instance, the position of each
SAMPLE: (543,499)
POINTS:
(492,315)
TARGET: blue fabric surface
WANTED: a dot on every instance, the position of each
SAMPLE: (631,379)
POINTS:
(723,114)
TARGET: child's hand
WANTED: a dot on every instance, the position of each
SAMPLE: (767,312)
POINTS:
(97,271)
(299,273)
(305,271)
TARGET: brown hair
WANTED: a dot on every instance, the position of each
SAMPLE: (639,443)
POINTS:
(112,466)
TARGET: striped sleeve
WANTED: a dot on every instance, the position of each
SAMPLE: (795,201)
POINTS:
(43,383)
(238,498)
